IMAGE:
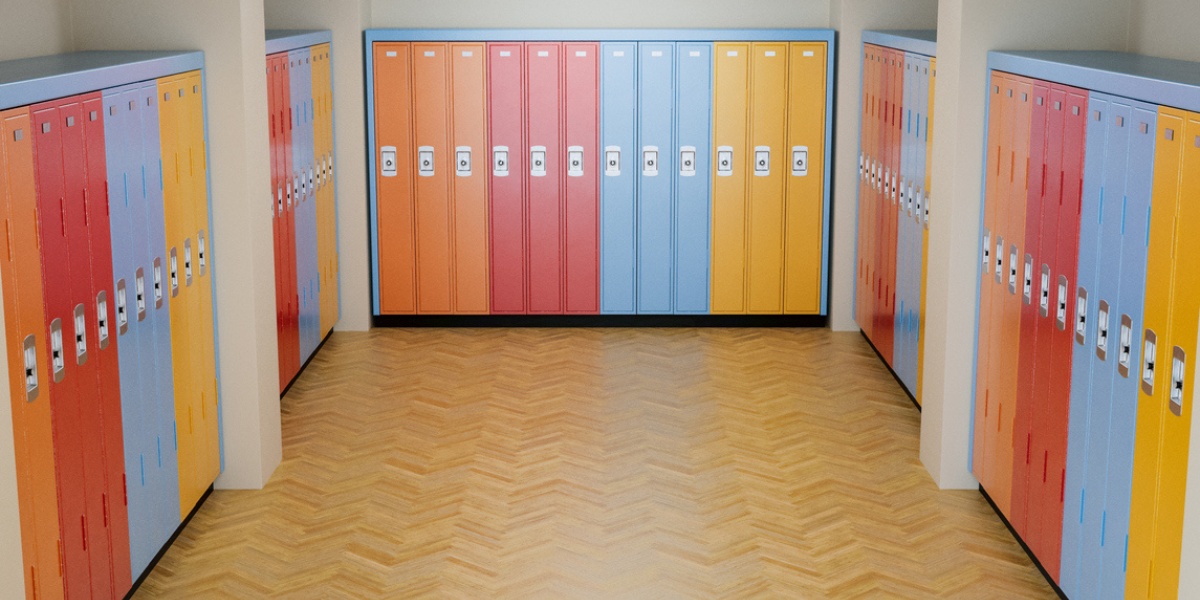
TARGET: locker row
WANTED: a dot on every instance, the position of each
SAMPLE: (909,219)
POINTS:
(893,199)
(304,223)
(1088,317)
(588,177)
(109,313)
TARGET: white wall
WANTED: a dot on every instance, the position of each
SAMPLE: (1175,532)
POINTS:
(42,27)
(1167,28)
(610,13)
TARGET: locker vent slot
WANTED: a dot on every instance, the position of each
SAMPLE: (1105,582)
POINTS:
(1126,346)
(1102,331)
(80,335)
(57,352)
(102,319)
(1178,367)
(1148,358)
(31,371)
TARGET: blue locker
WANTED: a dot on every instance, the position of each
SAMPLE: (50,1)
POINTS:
(655,165)
(618,186)
(903,353)
(300,82)
(693,191)
(1075,549)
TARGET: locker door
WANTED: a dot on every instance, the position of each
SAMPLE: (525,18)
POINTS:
(305,215)
(396,264)
(693,182)
(655,163)
(731,106)
(863,215)
(923,217)
(506,123)
(278,183)
(25,326)
(871,228)
(326,217)
(431,124)
(288,116)
(618,186)
(805,201)
(886,249)
(580,188)
(469,143)
(903,343)
(765,215)
(544,237)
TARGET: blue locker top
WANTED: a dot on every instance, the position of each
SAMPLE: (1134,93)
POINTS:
(917,41)
(283,40)
(599,35)
(31,80)
(1155,80)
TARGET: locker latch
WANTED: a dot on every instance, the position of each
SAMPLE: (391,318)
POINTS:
(1178,366)
(612,161)
(80,335)
(279,200)
(58,361)
(311,185)
(987,251)
(1060,315)
(862,163)
(462,161)
(1148,358)
(762,161)
(724,161)
(887,183)
(575,161)
(910,200)
(537,161)
(500,161)
(1044,302)
(1028,286)
(201,252)
(1102,331)
(999,259)
(139,293)
(1125,355)
(687,161)
(425,161)
(387,161)
(928,199)
(1081,302)
(903,197)
(122,308)
(187,261)
(158,285)
(31,372)
(1012,269)
(174,268)
(800,162)
(650,161)
(102,320)
(294,192)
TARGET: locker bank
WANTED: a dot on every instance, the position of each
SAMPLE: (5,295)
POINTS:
(770,299)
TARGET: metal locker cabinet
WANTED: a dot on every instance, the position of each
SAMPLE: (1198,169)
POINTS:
(618,185)
(544,234)
(731,77)
(506,191)
(765,209)
(581,191)
(277,115)
(886,248)
(927,189)
(312,327)
(326,217)
(287,219)
(920,236)
(305,213)
(876,196)
(655,165)
(1126,349)
(903,344)
(468,66)
(862,214)
(25,329)
(693,183)
(431,128)
(805,155)
(396,262)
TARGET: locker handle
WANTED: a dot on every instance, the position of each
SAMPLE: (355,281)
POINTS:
(650,161)
(612,161)
(1012,269)
(462,161)
(1081,305)
(58,363)
(762,161)
(202,251)
(500,161)
(425,161)
(80,335)
(687,161)
(537,161)
(187,261)
(987,251)
(800,162)
(102,319)
(575,161)
(999,259)
(31,370)
(928,200)
(1061,313)
(122,308)
(895,186)
(1149,345)
(1178,373)
(1044,302)
(1124,358)
(387,161)
(311,186)
(1102,331)
(862,171)
(158,288)
(909,199)
(174,269)
(724,161)
(1028,287)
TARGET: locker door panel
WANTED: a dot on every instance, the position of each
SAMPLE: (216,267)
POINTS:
(765,218)
(276,209)
(305,216)
(470,214)
(805,200)
(863,215)
(581,185)
(618,186)
(903,346)
(544,237)
(924,218)
(731,105)
(506,194)
(655,164)
(25,327)
(693,183)
(394,184)
(431,122)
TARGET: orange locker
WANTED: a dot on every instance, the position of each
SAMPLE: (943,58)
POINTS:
(804,202)
(470,205)
(765,215)
(431,124)
(394,178)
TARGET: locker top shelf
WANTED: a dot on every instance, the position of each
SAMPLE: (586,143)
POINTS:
(599,35)
(283,40)
(31,80)
(917,41)
(1150,79)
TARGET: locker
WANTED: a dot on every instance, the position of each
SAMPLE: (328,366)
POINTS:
(25,327)
(693,184)
(765,210)
(655,165)
(396,268)
(731,103)
(470,208)
(287,219)
(804,200)
(506,191)
(278,114)
(863,215)
(870,227)
(305,207)
(923,216)
(431,124)
(544,237)
(903,344)
(889,123)
(326,207)
(580,187)
(618,186)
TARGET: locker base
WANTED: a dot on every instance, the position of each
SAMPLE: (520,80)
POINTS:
(178,530)
(912,397)
(1036,562)
(599,321)
(305,365)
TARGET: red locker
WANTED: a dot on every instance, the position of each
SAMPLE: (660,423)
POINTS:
(884,327)
(544,238)
(506,185)
(278,200)
(581,188)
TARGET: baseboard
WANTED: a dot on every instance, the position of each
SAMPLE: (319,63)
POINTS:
(600,321)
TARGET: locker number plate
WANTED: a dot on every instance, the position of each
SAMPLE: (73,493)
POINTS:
(387,161)
(800,161)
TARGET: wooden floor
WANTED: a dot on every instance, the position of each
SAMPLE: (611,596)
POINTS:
(597,463)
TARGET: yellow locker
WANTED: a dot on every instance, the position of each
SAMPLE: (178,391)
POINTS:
(326,211)
(925,230)
(730,108)
(768,129)
(802,165)
(1158,430)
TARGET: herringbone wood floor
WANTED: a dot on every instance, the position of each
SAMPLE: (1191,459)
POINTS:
(597,463)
